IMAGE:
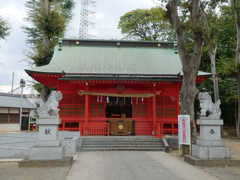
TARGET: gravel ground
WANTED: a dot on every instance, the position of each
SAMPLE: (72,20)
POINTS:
(224,173)
(227,173)
(11,171)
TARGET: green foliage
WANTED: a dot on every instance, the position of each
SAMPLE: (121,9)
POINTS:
(4,28)
(221,31)
(49,19)
(146,24)
(227,34)
(228,67)
(41,55)
(37,86)
(48,23)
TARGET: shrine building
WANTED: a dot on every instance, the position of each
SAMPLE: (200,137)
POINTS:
(113,87)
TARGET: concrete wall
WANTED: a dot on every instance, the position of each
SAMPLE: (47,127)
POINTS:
(17,137)
(17,145)
(13,153)
(173,142)
(68,134)
(71,145)
(9,127)
(24,144)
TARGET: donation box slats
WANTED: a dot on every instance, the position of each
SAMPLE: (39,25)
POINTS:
(122,127)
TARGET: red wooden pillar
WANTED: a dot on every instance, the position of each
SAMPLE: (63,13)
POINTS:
(154,107)
(148,108)
(80,128)
(86,104)
(178,104)
(63,125)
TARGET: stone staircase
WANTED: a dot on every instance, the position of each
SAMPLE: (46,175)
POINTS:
(123,144)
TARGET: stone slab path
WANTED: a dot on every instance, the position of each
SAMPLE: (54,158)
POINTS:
(133,165)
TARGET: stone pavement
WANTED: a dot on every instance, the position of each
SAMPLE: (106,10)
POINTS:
(133,165)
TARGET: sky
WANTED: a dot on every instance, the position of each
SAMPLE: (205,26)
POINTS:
(12,50)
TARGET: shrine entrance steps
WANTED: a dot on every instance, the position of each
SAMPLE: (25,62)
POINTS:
(123,143)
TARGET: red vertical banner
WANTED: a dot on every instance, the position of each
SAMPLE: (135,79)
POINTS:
(184,129)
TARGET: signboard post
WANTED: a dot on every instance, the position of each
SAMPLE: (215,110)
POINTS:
(184,135)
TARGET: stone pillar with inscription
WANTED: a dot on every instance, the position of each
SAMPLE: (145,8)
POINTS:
(48,147)
(210,145)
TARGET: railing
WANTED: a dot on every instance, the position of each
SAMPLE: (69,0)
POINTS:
(170,127)
(95,129)
(158,129)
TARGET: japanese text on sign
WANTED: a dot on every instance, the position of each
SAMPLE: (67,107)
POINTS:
(184,129)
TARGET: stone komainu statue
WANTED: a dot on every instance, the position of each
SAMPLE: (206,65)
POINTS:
(206,104)
(50,107)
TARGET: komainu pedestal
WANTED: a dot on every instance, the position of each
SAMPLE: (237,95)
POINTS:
(209,149)
(210,145)
(48,147)
(48,151)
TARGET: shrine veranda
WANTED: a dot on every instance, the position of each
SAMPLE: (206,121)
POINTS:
(104,80)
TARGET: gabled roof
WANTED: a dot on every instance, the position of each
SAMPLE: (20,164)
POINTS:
(78,58)
(14,101)
(102,59)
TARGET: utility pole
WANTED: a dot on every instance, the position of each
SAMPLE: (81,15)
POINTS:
(12,83)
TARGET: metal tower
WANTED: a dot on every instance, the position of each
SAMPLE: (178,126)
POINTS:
(84,23)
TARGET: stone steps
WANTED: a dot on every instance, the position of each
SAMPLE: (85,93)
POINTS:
(122,144)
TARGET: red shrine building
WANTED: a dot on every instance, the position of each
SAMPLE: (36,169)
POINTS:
(113,87)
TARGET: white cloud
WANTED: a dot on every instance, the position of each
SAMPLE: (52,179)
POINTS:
(100,16)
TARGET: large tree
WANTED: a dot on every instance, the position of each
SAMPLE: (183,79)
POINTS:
(190,60)
(190,21)
(49,19)
(146,24)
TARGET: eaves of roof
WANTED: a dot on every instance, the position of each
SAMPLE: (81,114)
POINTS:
(132,78)
(15,102)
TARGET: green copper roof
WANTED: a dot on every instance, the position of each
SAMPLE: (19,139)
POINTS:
(97,59)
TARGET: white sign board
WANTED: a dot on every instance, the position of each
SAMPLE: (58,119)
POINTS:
(184,136)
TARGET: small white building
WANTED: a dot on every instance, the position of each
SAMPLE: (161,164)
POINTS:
(10,105)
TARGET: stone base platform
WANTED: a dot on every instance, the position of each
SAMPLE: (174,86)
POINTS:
(211,152)
(66,161)
(46,153)
(211,162)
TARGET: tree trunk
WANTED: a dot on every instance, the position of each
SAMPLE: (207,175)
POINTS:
(238,118)
(188,94)
(46,42)
(236,9)
(45,91)
(212,55)
(190,62)
(45,9)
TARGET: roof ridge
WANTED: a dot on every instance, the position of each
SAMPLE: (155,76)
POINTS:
(13,95)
